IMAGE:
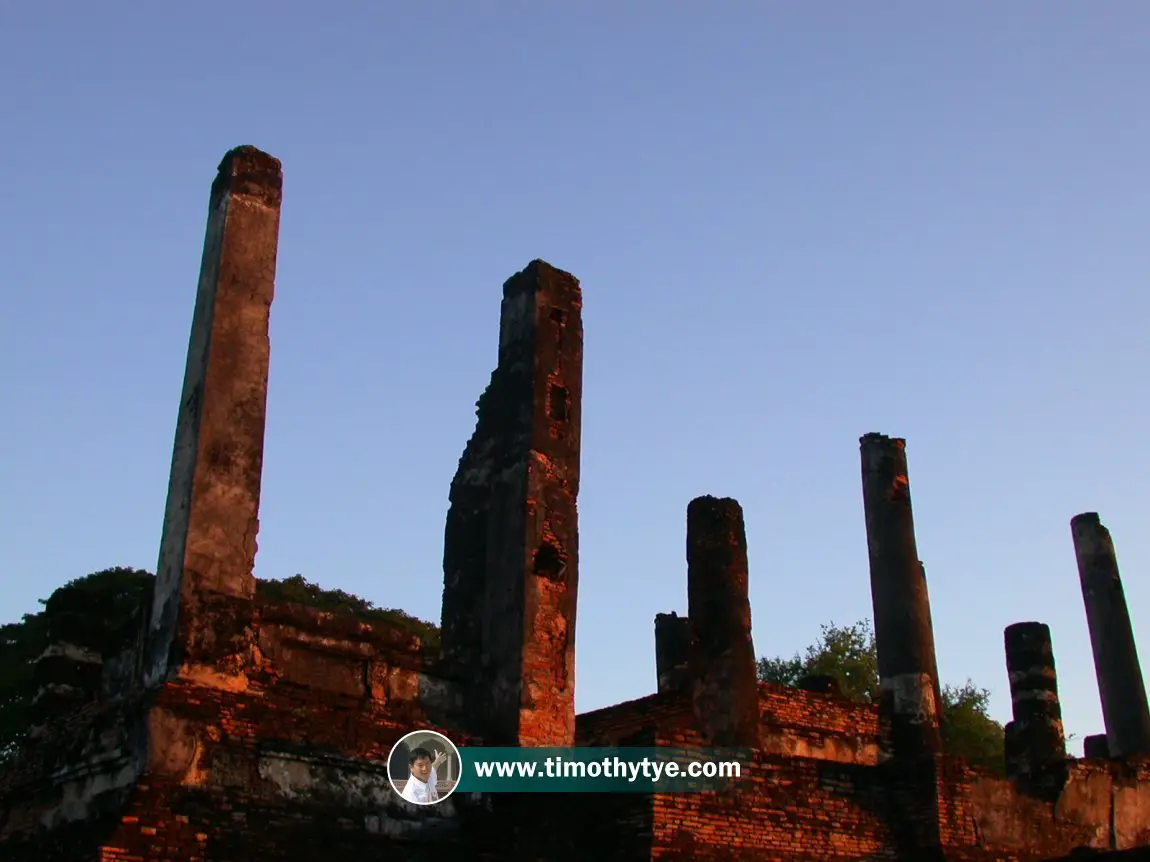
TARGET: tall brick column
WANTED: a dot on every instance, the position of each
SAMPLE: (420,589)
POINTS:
(1120,682)
(510,556)
(725,691)
(672,651)
(904,633)
(1039,744)
(204,583)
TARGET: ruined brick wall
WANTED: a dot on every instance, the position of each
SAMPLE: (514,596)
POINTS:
(291,768)
(1104,804)
(824,785)
(239,728)
(812,791)
(287,761)
(820,726)
(274,759)
(790,808)
(244,726)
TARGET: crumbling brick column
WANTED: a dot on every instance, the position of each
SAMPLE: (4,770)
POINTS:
(1095,746)
(1039,744)
(904,634)
(1012,750)
(204,582)
(1120,682)
(672,651)
(725,692)
(510,557)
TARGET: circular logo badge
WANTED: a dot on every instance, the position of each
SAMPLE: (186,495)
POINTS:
(424,767)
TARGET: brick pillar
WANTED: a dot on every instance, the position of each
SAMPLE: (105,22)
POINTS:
(204,582)
(1040,745)
(903,630)
(672,651)
(510,557)
(725,691)
(1120,682)
(1012,751)
(1095,746)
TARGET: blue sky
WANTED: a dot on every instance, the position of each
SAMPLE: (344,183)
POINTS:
(793,223)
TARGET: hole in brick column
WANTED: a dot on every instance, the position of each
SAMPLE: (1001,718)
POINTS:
(549,563)
(557,403)
(219,456)
(558,315)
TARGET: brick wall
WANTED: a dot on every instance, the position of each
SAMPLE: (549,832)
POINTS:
(290,765)
(240,729)
(284,754)
(1102,803)
(823,786)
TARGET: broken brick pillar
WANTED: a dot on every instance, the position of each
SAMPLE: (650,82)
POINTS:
(204,581)
(672,651)
(725,691)
(1120,682)
(510,559)
(904,635)
(1012,750)
(1095,746)
(1038,744)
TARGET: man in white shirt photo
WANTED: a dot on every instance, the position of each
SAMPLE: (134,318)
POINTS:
(421,787)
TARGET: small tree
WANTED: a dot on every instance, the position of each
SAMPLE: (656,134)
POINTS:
(849,655)
(846,653)
(967,728)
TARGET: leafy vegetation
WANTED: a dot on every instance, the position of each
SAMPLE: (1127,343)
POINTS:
(849,655)
(20,643)
(106,607)
(846,653)
(301,591)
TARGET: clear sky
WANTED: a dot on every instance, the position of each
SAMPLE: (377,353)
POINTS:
(794,223)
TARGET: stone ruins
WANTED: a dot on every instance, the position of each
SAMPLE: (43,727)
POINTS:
(238,728)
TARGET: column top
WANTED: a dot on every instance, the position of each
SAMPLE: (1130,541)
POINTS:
(1025,638)
(1024,629)
(1085,518)
(726,507)
(874,438)
(541,270)
(249,171)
